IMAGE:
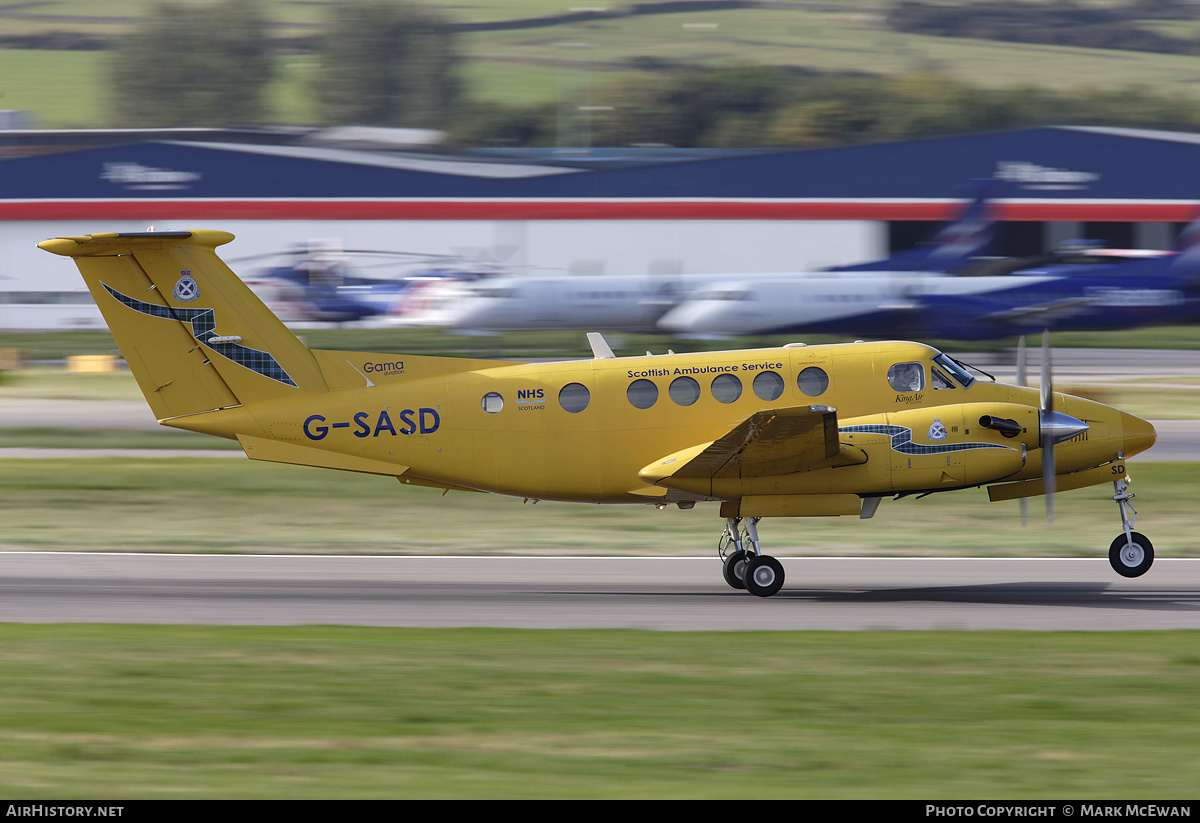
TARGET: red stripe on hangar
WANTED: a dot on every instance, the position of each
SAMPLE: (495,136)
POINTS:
(575,209)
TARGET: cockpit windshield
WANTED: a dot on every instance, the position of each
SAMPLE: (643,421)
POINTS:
(952,368)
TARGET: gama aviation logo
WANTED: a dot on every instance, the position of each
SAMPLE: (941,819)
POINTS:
(186,290)
(148,178)
(1032,176)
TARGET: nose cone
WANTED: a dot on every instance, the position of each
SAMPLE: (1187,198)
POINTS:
(1137,434)
(1058,427)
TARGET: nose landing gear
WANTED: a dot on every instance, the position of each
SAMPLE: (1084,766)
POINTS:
(1130,554)
(748,568)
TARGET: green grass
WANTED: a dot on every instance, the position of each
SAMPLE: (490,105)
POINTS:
(62,89)
(119,504)
(126,713)
(56,383)
(168,439)
(528,66)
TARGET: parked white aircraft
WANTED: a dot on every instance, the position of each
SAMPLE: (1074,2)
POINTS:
(638,302)
(1069,288)
(878,304)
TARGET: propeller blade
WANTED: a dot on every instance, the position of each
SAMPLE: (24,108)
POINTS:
(1047,386)
(1049,479)
(1047,397)
(1022,380)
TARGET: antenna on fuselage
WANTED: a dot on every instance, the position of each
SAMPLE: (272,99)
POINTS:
(600,349)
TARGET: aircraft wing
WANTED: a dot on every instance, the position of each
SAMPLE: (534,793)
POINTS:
(771,442)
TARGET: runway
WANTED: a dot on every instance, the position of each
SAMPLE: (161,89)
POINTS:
(684,594)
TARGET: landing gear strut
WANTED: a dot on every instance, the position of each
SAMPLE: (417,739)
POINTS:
(746,567)
(1130,554)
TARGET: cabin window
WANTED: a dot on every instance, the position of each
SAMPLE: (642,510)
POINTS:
(812,381)
(906,377)
(684,391)
(642,394)
(726,388)
(768,385)
(574,397)
(492,403)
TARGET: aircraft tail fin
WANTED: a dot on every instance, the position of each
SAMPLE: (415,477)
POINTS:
(970,234)
(195,336)
(1187,246)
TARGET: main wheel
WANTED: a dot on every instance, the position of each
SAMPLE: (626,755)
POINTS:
(763,575)
(1131,558)
(735,568)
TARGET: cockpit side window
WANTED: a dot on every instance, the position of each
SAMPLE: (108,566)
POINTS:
(953,368)
(906,377)
(941,381)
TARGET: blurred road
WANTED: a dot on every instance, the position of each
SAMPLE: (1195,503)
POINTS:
(40,413)
(672,594)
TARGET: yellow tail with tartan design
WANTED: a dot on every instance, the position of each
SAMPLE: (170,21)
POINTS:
(194,335)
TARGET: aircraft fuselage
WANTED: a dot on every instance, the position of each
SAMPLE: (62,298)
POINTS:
(591,430)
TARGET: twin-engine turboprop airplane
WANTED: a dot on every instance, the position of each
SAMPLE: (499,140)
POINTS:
(783,432)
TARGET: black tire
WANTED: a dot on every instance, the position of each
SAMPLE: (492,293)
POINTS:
(763,576)
(1131,559)
(735,567)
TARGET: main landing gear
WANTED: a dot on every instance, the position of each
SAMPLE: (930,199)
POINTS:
(1130,553)
(746,567)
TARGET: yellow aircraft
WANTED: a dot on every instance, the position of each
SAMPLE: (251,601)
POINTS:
(796,431)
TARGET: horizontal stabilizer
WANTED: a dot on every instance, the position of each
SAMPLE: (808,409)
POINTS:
(281,451)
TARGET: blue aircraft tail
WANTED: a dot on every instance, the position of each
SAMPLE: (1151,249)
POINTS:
(971,234)
(1186,263)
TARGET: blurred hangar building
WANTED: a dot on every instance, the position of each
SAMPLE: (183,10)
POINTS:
(628,211)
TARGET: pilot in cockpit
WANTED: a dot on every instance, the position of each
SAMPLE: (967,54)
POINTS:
(906,377)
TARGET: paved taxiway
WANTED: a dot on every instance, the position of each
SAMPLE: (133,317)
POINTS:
(623,593)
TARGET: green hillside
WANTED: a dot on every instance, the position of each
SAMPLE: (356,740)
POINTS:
(53,60)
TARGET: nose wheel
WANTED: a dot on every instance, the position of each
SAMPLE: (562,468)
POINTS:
(748,568)
(1130,553)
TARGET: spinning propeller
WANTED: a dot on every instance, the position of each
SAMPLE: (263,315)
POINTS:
(1055,427)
